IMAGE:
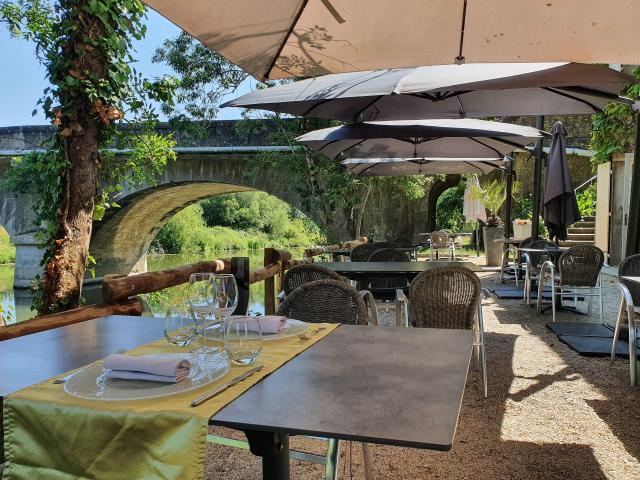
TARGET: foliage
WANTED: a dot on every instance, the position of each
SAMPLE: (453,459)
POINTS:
(449,209)
(613,129)
(7,249)
(523,206)
(492,195)
(213,226)
(205,76)
(587,200)
(85,46)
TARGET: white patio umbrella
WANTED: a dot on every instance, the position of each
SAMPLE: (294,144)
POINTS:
(294,38)
(426,139)
(446,91)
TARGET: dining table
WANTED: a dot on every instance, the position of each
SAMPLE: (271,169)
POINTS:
(409,270)
(401,387)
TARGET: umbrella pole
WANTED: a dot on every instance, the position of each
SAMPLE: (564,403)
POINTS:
(509,192)
(537,181)
(477,238)
(633,237)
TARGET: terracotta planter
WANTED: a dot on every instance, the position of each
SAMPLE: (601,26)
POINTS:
(492,248)
(521,231)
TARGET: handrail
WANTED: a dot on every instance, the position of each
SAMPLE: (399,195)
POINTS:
(348,245)
(587,183)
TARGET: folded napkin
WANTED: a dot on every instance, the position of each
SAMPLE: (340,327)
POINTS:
(270,324)
(145,367)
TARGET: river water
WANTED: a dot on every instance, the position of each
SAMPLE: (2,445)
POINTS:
(16,303)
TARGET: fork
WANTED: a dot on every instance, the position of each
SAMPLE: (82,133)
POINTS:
(120,351)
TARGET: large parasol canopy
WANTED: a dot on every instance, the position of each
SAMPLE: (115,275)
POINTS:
(447,91)
(305,38)
(421,139)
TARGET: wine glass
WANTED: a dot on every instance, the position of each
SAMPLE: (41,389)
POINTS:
(200,301)
(224,296)
(179,327)
(243,340)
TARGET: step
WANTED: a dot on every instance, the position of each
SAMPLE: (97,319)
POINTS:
(584,225)
(583,230)
(588,237)
(573,243)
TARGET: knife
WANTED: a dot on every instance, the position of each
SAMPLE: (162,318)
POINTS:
(209,395)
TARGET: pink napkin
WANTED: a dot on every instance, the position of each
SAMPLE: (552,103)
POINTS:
(144,367)
(270,324)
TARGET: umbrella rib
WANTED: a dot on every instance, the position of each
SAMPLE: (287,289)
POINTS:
(485,145)
(460,58)
(474,166)
(359,142)
(303,5)
(581,100)
(371,103)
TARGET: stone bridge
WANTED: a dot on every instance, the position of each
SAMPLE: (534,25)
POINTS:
(120,241)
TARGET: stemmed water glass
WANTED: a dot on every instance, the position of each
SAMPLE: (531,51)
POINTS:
(200,301)
(224,293)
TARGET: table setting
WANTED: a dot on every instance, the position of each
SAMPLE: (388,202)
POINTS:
(163,392)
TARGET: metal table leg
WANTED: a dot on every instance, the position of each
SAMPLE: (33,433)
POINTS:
(274,450)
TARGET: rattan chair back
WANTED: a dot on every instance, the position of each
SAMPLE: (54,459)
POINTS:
(536,258)
(362,252)
(444,297)
(630,267)
(330,301)
(580,266)
(388,255)
(440,240)
(301,274)
(525,242)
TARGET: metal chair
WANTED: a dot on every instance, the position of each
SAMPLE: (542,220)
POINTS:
(450,297)
(533,263)
(440,241)
(507,266)
(334,302)
(579,269)
(630,302)
(301,274)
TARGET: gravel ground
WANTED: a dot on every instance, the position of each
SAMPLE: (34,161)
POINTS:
(551,414)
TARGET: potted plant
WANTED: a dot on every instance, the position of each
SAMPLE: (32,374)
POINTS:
(492,196)
(521,228)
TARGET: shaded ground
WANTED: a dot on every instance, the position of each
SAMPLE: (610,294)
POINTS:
(551,414)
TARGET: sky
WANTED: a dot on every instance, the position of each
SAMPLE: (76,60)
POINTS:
(23,77)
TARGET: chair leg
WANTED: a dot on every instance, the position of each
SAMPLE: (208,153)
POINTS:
(331,467)
(633,356)
(366,456)
(616,330)
(601,301)
(553,299)
(516,269)
(540,290)
(483,357)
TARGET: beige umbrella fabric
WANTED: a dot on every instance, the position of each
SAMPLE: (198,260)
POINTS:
(472,208)
(303,38)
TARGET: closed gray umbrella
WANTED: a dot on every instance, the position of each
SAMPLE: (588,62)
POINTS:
(426,139)
(560,205)
(446,91)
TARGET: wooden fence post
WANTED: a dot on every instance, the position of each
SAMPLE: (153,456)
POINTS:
(240,270)
(269,283)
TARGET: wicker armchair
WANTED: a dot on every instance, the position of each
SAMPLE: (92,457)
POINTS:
(630,301)
(579,272)
(440,241)
(361,253)
(450,297)
(331,301)
(301,274)
(403,242)
(533,263)
(509,267)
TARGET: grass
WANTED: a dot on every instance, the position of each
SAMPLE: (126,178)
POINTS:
(7,249)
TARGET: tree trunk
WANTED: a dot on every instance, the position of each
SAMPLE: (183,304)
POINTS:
(365,199)
(64,272)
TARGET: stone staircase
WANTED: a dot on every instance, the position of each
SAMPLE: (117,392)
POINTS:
(581,233)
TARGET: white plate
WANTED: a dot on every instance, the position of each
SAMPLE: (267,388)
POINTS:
(291,329)
(92,383)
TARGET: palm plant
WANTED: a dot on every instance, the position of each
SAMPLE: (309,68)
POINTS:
(492,195)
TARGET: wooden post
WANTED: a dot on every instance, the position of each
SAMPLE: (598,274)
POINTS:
(269,283)
(240,270)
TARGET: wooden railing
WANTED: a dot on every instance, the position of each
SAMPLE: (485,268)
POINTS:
(119,292)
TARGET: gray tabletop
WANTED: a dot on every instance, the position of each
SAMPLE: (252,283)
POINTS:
(37,357)
(408,269)
(390,386)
